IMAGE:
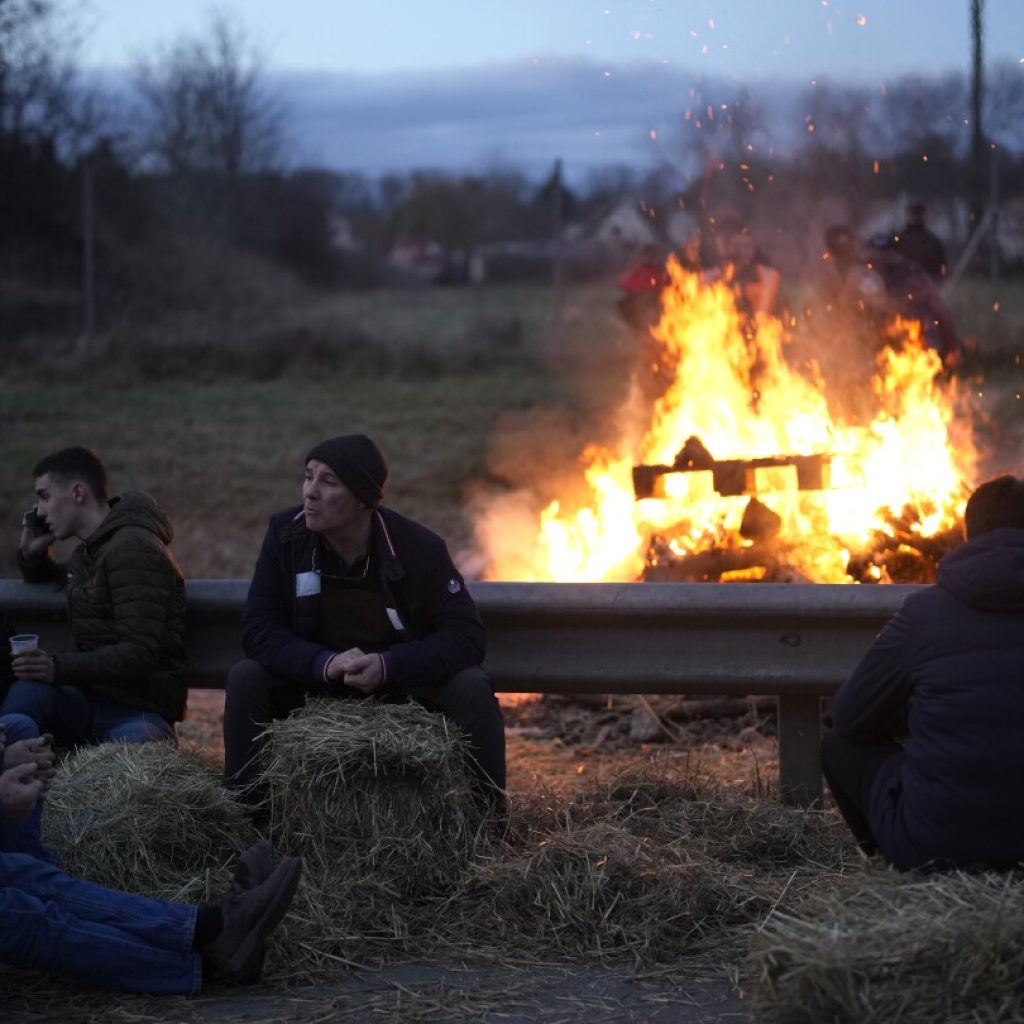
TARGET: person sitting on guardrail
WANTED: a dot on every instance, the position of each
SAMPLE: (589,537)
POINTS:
(350,599)
(53,922)
(924,756)
(125,680)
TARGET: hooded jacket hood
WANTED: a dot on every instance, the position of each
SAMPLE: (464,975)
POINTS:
(987,571)
(134,509)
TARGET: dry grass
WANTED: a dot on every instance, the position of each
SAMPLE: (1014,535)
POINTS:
(881,948)
(403,862)
(654,870)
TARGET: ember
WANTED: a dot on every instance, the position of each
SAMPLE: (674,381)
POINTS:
(847,466)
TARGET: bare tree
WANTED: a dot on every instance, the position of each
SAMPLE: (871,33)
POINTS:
(39,98)
(206,110)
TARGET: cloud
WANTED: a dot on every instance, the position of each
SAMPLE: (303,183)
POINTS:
(529,112)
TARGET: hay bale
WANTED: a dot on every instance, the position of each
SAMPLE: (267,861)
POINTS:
(379,801)
(599,891)
(145,818)
(883,947)
(374,791)
(723,825)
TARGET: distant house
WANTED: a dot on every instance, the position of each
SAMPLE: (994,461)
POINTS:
(342,235)
(417,261)
(627,226)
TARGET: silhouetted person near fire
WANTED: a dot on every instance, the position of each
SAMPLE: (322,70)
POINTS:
(641,285)
(748,270)
(924,756)
(916,242)
(915,295)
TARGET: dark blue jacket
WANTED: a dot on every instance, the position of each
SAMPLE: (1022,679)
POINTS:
(947,673)
(441,632)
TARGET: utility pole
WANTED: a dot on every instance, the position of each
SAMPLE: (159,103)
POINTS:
(556,224)
(977,177)
(85,341)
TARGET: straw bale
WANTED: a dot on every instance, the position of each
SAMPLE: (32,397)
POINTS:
(883,947)
(374,790)
(597,891)
(145,818)
(718,824)
(380,802)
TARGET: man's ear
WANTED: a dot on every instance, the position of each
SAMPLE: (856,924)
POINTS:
(80,492)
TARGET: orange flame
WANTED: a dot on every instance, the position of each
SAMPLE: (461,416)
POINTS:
(730,384)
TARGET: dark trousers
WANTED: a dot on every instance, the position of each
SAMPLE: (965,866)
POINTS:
(850,770)
(255,697)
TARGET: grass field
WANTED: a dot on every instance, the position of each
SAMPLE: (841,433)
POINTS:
(433,376)
(461,388)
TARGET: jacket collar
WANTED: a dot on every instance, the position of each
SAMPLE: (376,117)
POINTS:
(295,529)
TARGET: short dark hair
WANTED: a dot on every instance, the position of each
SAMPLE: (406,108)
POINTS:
(995,504)
(75,463)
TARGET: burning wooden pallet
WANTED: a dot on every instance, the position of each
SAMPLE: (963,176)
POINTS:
(898,554)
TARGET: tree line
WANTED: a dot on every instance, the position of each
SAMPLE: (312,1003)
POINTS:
(194,156)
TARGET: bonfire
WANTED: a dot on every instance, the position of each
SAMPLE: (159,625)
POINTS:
(757,458)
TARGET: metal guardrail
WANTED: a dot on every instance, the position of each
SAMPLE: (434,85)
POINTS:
(797,642)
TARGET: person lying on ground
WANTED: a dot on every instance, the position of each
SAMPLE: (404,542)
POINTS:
(72,928)
(126,607)
(923,755)
(350,599)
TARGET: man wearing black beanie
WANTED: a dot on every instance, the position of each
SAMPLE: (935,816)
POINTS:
(350,599)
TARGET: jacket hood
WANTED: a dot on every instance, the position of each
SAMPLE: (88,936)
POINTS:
(134,509)
(987,572)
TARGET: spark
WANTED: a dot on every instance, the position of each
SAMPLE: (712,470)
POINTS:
(995,307)
(875,166)
(654,135)
(924,157)
(862,20)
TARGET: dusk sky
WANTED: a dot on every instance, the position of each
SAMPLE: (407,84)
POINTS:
(400,83)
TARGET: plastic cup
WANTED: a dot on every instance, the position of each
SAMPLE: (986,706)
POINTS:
(24,642)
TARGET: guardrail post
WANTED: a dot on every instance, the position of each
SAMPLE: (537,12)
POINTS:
(799,725)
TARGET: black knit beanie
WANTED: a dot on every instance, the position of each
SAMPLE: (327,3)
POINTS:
(358,464)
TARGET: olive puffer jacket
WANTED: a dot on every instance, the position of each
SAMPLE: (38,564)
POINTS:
(126,610)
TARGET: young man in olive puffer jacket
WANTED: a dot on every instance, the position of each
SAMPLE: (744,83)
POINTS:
(126,608)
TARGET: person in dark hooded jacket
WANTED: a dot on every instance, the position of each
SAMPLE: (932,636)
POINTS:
(924,756)
(126,608)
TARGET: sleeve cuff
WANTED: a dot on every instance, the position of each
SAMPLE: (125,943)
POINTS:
(321,663)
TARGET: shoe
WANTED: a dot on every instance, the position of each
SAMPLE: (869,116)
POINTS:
(254,867)
(236,955)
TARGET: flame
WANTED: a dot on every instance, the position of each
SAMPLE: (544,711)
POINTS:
(729,382)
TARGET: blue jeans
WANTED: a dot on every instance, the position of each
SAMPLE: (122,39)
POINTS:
(66,926)
(25,836)
(74,718)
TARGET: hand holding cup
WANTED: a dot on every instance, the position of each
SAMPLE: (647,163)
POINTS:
(29,661)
